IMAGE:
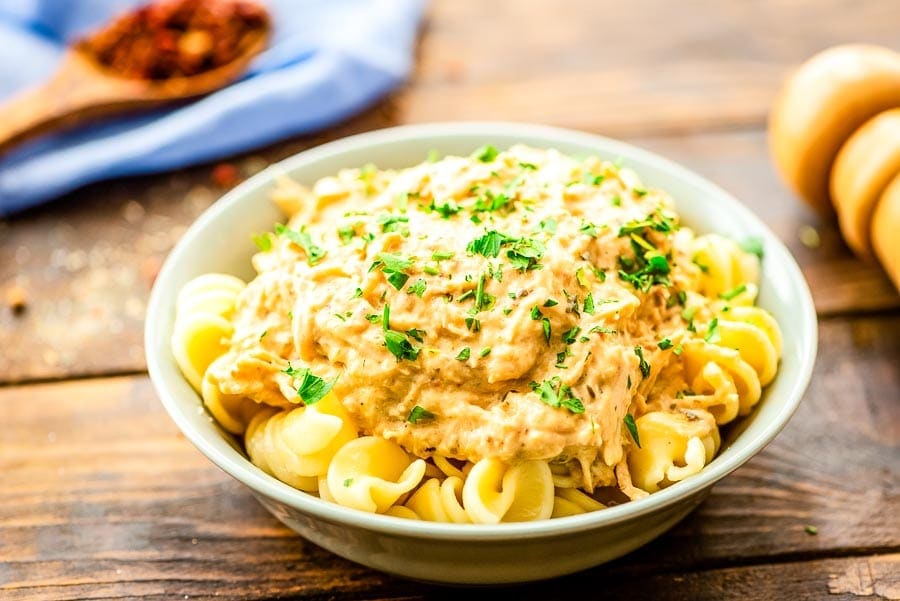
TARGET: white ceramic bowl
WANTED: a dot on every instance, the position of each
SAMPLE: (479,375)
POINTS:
(220,241)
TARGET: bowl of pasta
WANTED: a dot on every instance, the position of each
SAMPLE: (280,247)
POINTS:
(479,352)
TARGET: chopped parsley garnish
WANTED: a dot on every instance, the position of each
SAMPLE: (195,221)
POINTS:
(569,336)
(810,530)
(589,229)
(550,302)
(346,233)
(473,324)
(549,225)
(489,244)
(419,414)
(263,335)
(601,330)
(312,388)
(393,266)
(712,332)
(589,304)
(491,202)
(392,223)
(386,318)
(446,210)
(632,429)
(486,153)
(616,201)
(400,346)
(417,334)
(678,350)
(465,295)
(417,288)
(545,326)
(431,270)
(314,253)
(733,292)
(688,315)
(263,242)
(555,393)
(753,245)
(535,313)
(525,253)
(485,351)
(594,180)
(639,191)
(373,318)
(357,293)
(642,364)
(664,344)
(442,255)
(530,166)
(464,354)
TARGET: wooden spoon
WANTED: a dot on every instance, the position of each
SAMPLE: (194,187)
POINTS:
(82,90)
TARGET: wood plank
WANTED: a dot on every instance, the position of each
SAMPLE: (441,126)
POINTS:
(103,497)
(87,262)
(875,577)
(624,69)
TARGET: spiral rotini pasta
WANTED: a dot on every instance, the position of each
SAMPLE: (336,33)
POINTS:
(510,336)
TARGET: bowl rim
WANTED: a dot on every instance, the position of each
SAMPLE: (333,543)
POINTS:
(261,483)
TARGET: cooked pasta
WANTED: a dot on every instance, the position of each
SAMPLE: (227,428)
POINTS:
(510,336)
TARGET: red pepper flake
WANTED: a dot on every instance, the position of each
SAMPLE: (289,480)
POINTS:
(176,38)
(225,175)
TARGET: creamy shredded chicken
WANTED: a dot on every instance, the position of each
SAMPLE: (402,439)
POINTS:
(526,294)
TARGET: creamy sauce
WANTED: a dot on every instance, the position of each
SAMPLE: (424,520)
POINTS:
(551,304)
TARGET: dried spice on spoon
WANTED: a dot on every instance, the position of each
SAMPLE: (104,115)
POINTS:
(176,38)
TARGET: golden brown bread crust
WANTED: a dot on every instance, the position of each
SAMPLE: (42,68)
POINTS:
(864,167)
(821,105)
(885,223)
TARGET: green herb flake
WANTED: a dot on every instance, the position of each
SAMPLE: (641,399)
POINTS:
(811,530)
(593,180)
(753,245)
(642,363)
(639,192)
(555,393)
(348,482)
(431,270)
(419,414)
(314,253)
(712,332)
(569,336)
(442,255)
(263,335)
(312,388)
(589,304)
(589,229)
(678,350)
(386,318)
(464,354)
(489,244)
(263,242)
(392,223)
(733,292)
(581,278)
(616,201)
(393,265)
(529,166)
(486,153)
(548,225)
(399,345)
(416,334)
(550,302)
(434,155)
(601,330)
(664,344)
(632,429)
(545,326)
(535,313)
(417,288)
(346,233)
(485,351)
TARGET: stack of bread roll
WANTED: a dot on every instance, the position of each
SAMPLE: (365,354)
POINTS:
(835,137)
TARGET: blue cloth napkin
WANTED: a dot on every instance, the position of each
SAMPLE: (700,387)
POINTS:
(327,59)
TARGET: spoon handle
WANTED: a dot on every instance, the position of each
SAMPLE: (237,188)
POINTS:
(72,96)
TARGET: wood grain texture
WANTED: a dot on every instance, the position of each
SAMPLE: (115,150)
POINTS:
(87,265)
(103,497)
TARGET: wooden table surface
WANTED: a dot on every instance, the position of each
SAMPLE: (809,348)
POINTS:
(101,497)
